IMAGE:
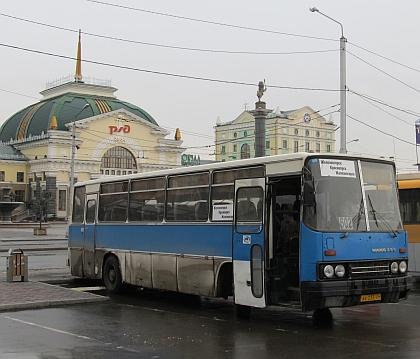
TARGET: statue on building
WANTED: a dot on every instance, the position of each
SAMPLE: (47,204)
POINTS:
(261,89)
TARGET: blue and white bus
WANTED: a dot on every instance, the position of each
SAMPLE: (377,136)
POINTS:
(313,230)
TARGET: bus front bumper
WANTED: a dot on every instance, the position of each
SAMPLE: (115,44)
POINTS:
(317,295)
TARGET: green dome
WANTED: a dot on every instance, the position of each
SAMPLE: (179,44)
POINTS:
(36,118)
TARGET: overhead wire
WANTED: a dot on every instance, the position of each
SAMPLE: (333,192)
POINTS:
(167,46)
(16,93)
(384,72)
(123,39)
(208,21)
(381,109)
(384,57)
(383,132)
(166,73)
(409,112)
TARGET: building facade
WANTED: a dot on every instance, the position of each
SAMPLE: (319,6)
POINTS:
(302,130)
(112,137)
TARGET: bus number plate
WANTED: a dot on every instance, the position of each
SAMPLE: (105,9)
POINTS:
(370,298)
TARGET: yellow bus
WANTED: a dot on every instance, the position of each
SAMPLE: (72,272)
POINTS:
(409,192)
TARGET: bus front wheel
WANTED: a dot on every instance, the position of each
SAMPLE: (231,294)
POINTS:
(112,275)
(322,317)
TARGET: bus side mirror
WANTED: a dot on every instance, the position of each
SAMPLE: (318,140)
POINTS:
(308,193)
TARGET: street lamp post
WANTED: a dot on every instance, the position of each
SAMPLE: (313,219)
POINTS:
(343,111)
(73,145)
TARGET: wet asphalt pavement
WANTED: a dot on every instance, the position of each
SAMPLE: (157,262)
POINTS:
(153,324)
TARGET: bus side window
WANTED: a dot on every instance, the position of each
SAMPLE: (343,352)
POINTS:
(246,199)
(150,213)
(201,211)
(170,212)
(119,215)
(90,212)
(247,211)
(260,208)
(183,212)
(79,205)
(134,214)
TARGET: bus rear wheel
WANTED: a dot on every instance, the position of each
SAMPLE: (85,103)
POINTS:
(111,275)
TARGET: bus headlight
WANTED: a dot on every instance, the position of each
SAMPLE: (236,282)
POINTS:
(340,271)
(329,271)
(403,267)
(394,267)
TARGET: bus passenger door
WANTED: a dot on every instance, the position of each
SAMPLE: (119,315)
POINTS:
(89,237)
(248,243)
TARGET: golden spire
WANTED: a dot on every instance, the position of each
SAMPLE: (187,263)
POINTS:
(54,125)
(177,134)
(78,76)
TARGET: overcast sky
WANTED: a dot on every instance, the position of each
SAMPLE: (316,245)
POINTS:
(187,62)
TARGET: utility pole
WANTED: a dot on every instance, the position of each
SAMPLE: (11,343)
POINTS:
(343,110)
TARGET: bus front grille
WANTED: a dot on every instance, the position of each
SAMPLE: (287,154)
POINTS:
(369,269)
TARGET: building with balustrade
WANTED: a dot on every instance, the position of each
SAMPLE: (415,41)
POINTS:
(112,138)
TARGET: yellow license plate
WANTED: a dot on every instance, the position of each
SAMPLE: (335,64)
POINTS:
(370,298)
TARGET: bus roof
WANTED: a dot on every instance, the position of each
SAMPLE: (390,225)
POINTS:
(292,157)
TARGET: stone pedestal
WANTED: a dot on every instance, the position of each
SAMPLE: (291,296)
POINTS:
(260,115)
(260,105)
(40,231)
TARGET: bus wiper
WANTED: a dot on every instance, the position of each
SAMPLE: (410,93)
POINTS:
(357,218)
(359,214)
(375,213)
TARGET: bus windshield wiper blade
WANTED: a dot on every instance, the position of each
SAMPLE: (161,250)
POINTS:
(359,214)
(375,213)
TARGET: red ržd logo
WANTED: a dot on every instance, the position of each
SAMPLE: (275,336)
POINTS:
(115,129)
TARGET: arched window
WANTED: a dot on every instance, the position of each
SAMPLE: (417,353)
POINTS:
(245,151)
(116,159)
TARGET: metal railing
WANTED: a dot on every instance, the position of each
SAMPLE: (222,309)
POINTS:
(21,215)
(87,80)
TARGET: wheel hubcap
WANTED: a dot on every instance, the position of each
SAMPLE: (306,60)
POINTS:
(111,275)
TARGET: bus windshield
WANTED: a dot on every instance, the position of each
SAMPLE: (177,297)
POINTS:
(352,195)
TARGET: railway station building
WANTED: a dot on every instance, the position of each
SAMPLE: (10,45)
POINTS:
(112,137)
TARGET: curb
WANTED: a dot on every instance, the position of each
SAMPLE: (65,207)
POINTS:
(35,249)
(50,304)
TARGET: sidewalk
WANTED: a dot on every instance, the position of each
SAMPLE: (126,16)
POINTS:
(42,289)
